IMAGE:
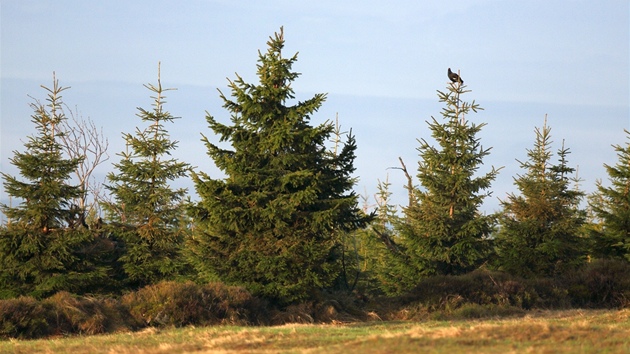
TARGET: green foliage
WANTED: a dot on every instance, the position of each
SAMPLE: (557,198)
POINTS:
(147,214)
(539,231)
(611,206)
(39,264)
(358,249)
(273,224)
(45,195)
(384,264)
(43,247)
(444,231)
(284,224)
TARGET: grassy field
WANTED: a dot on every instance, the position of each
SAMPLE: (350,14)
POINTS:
(575,331)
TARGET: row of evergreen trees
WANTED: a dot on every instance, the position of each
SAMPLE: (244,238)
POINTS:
(285,222)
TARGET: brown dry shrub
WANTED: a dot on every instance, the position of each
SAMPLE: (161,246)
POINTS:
(24,318)
(238,305)
(311,312)
(326,307)
(295,313)
(118,317)
(84,315)
(167,304)
(181,304)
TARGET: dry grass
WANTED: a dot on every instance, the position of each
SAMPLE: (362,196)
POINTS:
(573,331)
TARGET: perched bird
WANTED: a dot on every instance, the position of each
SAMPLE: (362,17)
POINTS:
(454,77)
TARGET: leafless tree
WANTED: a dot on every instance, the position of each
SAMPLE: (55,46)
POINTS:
(82,139)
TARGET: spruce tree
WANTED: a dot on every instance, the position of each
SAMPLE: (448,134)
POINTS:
(368,258)
(611,206)
(540,228)
(42,246)
(386,263)
(146,213)
(444,232)
(273,223)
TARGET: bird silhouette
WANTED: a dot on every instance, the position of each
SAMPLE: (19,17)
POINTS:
(454,77)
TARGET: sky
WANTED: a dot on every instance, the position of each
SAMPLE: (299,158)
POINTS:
(380,63)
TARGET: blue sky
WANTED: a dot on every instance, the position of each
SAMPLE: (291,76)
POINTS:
(380,63)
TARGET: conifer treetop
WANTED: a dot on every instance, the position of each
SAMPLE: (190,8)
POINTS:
(141,187)
(45,194)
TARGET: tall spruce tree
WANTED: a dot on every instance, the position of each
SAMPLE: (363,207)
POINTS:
(273,223)
(540,228)
(147,214)
(444,232)
(611,206)
(43,246)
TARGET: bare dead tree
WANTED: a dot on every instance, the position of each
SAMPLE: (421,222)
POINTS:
(82,139)
(410,188)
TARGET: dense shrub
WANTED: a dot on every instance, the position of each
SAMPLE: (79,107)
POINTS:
(600,284)
(548,294)
(479,287)
(181,304)
(324,308)
(24,318)
(473,294)
(236,304)
(61,314)
(85,315)
(163,304)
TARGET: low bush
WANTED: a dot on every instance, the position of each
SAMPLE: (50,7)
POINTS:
(481,287)
(547,293)
(481,291)
(24,318)
(84,315)
(60,314)
(236,304)
(182,304)
(325,307)
(165,304)
(480,294)
(476,311)
(600,284)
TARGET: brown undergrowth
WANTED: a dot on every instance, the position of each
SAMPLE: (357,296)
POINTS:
(479,295)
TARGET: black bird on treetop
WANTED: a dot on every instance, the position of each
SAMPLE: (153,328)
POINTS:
(454,77)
